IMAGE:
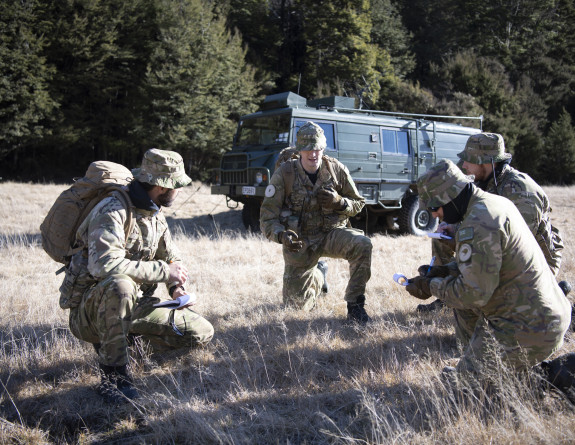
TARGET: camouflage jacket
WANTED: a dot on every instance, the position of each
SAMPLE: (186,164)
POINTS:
(533,204)
(502,273)
(144,256)
(300,211)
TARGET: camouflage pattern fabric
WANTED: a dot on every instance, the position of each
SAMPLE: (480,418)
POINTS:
(310,137)
(533,204)
(163,168)
(505,290)
(482,148)
(440,184)
(323,231)
(114,277)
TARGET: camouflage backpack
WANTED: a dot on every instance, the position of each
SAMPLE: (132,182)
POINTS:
(58,230)
(292,153)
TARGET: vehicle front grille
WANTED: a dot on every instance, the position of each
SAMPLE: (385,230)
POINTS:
(234,169)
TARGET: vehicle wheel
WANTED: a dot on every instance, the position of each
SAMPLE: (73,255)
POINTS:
(414,221)
(251,216)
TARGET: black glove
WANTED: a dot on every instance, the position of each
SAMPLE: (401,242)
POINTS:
(419,287)
(434,271)
(290,240)
(328,198)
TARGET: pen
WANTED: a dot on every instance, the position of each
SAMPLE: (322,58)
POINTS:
(430,265)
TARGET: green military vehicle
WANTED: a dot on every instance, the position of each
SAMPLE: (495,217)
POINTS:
(385,153)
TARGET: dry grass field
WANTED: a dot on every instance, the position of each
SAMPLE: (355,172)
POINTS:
(270,375)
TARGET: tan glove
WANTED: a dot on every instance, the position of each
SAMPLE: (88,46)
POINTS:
(290,240)
(328,198)
(419,287)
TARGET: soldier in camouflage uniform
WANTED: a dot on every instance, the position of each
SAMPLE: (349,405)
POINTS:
(112,297)
(484,157)
(500,286)
(307,208)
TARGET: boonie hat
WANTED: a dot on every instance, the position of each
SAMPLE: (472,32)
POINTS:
(441,184)
(310,137)
(482,148)
(163,168)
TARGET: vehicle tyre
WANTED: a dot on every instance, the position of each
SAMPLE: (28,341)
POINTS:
(251,216)
(414,221)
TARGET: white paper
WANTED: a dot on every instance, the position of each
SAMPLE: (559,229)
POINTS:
(438,235)
(178,302)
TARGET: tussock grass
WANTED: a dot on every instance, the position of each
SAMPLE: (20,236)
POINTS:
(271,375)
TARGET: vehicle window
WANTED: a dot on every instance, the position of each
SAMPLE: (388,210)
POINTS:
(264,130)
(327,127)
(395,142)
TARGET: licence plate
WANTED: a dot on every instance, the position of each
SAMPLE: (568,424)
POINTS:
(246,190)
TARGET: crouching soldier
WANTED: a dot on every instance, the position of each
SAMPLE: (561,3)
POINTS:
(307,208)
(118,274)
(500,285)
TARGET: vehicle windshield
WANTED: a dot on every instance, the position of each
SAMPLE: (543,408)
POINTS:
(264,130)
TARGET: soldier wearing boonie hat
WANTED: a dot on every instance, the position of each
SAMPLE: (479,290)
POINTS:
(117,275)
(163,168)
(306,208)
(485,158)
(499,284)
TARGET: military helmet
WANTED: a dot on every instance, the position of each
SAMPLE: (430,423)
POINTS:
(441,184)
(482,148)
(310,137)
(163,168)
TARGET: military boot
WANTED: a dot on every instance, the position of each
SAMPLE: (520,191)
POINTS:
(116,385)
(322,266)
(356,313)
(431,307)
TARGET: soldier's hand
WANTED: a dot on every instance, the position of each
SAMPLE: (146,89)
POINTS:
(433,271)
(419,287)
(178,273)
(291,241)
(328,198)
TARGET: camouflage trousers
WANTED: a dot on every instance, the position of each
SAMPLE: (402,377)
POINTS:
(487,346)
(111,310)
(302,281)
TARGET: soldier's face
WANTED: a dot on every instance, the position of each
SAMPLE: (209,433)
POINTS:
(480,171)
(311,160)
(167,198)
(438,213)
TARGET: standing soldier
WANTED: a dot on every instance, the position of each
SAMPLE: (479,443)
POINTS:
(307,208)
(500,285)
(116,276)
(484,157)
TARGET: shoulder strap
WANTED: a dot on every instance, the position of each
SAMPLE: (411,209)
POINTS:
(289,177)
(328,162)
(130,221)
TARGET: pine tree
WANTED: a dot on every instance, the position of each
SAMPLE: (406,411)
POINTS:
(26,105)
(559,158)
(198,83)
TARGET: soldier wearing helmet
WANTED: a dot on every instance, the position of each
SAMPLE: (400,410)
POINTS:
(499,285)
(306,209)
(116,276)
(484,157)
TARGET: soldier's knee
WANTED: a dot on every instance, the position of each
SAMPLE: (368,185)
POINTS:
(123,284)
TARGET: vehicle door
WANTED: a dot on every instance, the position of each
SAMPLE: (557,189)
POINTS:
(397,155)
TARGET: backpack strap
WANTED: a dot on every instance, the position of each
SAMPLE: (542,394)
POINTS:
(130,221)
(289,177)
(329,162)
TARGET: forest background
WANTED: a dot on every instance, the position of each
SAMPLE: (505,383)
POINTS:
(107,79)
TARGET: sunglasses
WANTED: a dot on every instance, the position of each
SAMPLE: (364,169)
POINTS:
(433,209)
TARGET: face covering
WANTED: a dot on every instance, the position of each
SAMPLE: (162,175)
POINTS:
(455,209)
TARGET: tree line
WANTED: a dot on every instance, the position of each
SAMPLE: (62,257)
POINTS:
(107,79)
